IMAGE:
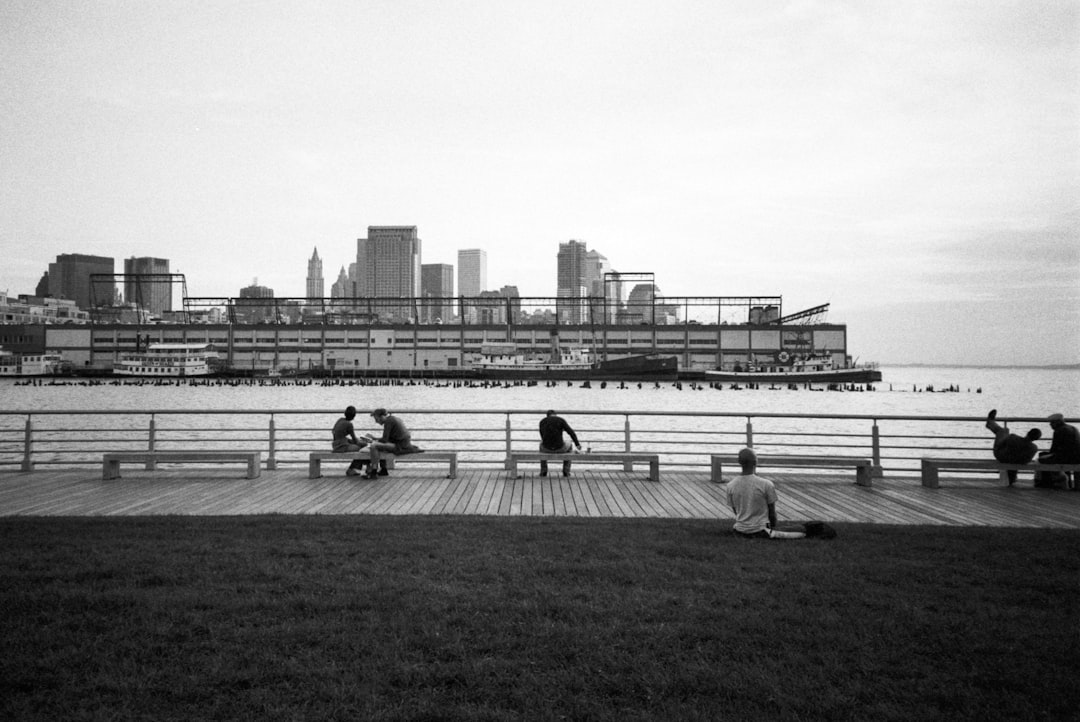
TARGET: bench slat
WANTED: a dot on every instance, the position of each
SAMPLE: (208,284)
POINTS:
(315,459)
(623,457)
(931,465)
(110,460)
(863,466)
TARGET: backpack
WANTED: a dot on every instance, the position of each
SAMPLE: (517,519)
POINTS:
(819,530)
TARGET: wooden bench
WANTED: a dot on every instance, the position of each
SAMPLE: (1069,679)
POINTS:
(931,467)
(111,459)
(513,458)
(863,466)
(317,457)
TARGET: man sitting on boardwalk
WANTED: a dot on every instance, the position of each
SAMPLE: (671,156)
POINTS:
(1010,448)
(753,499)
(552,441)
(1064,449)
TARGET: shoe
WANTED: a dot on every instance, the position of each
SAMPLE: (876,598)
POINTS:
(566,473)
(383,472)
(352,472)
(992,415)
(371,475)
(543,473)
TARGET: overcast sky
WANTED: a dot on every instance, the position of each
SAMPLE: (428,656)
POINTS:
(915,164)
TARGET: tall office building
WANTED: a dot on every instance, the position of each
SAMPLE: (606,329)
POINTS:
(580,275)
(341,288)
(472,271)
(69,277)
(436,282)
(388,266)
(314,276)
(143,290)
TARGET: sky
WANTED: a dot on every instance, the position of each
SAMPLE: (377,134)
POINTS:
(916,165)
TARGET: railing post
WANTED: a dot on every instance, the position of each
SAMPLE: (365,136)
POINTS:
(876,470)
(627,465)
(271,460)
(749,433)
(28,446)
(506,458)
(152,438)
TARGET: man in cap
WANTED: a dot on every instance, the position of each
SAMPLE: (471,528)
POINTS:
(1010,448)
(1064,449)
(395,439)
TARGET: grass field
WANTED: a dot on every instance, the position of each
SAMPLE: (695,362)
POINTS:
(485,618)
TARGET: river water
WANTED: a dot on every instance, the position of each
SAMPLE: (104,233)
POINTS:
(957,391)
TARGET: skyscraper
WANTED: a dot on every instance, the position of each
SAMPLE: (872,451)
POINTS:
(577,267)
(142,289)
(388,266)
(69,277)
(436,281)
(314,276)
(472,271)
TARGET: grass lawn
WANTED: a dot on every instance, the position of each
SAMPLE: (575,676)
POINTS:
(492,618)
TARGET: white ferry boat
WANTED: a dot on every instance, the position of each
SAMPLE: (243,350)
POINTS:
(166,360)
(31,364)
(793,368)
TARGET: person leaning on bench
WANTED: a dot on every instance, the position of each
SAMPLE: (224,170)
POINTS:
(1010,448)
(552,441)
(396,440)
(345,440)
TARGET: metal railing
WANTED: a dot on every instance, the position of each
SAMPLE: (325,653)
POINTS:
(33,439)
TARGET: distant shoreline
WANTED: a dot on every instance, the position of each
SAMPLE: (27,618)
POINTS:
(1048,367)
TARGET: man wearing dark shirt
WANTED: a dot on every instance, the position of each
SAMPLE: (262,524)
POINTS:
(1010,448)
(1064,449)
(552,442)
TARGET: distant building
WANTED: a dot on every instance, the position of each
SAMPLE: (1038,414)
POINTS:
(42,289)
(388,267)
(472,271)
(580,276)
(315,276)
(341,288)
(436,282)
(70,278)
(37,309)
(253,307)
(142,290)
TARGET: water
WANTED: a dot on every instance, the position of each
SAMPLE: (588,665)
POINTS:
(1020,392)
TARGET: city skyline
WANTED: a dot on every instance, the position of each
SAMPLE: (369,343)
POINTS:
(916,165)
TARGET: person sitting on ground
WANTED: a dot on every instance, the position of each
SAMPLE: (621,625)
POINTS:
(1010,448)
(395,439)
(345,440)
(1064,449)
(552,441)
(753,499)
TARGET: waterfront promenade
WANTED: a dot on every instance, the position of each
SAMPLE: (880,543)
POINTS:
(589,492)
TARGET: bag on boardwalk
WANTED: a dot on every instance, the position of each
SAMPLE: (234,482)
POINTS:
(819,530)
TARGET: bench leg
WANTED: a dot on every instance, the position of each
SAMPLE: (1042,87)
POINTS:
(511,466)
(314,467)
(929,475)
(254,468)
(863,476)
(654,470)
(714,475)
(110,469)
(453,467)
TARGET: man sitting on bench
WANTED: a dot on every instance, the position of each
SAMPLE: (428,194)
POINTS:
(552,441)
(753,499)
(395,439)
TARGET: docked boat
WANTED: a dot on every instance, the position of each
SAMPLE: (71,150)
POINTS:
(32,364)
(168,360)
(505,362)
(787,368)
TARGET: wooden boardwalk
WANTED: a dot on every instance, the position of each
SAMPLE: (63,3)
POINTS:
(588,493)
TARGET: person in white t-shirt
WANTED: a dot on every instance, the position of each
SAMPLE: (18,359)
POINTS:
(753,499)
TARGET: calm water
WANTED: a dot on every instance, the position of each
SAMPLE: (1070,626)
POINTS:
(1014,392)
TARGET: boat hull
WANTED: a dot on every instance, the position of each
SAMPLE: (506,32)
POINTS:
(631,368)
